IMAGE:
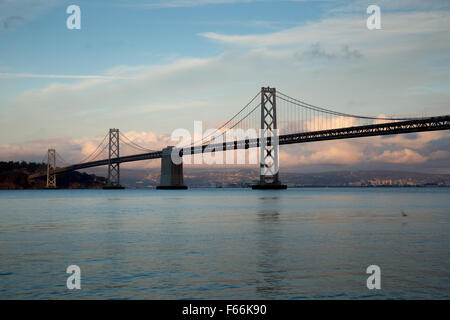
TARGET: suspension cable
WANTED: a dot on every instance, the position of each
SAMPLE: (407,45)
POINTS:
(316,108)
(237,123)
(134,144)
(61,159)
(98,147)
(134,147)
(99,153)
(222,126)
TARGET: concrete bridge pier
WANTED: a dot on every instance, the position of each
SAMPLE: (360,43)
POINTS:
(171,173)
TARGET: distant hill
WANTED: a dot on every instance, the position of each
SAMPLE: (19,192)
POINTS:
(196,177)
(14,175)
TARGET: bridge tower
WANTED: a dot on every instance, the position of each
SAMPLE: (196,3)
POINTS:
(268,158)
(113,181)
(51,168)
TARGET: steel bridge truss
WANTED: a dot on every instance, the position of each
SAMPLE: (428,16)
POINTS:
(400,127)
(51,169)
(114,153)
(268,158)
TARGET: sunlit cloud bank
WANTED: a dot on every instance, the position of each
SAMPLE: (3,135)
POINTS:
(426,149)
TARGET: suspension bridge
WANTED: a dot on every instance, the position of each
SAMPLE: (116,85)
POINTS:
(279,119)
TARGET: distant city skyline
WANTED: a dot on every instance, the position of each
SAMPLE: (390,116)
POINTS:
(150,67)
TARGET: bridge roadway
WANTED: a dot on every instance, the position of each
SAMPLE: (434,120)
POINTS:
(399,127)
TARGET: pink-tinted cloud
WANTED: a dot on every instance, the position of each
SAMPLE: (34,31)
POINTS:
(340,153)
(409,149)
(420,148)
(406,156)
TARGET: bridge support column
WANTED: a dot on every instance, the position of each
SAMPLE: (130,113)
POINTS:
(171,173)
(113,181)
(51,167)
(269,164)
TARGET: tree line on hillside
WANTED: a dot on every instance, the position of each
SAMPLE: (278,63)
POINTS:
(14,175)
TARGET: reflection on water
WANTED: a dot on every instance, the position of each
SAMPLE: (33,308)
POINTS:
(270,259)
(225,243)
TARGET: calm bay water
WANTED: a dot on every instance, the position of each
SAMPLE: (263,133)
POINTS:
(225,243)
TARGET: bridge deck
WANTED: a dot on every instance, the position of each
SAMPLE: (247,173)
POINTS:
(401,127)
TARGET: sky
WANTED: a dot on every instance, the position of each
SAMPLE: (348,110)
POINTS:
(150,67)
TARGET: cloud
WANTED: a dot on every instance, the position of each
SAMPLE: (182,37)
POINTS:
(342,66)
(406,156)
(394,6)
(317,52)
(413,141)
(11,21)
(4,75)
(429,149)
(345,29)
(179,3)
(440,155)
(83,149)
(18,12)
(338,154)
(341,153)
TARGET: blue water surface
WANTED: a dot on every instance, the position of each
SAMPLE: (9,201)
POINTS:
(225,243)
